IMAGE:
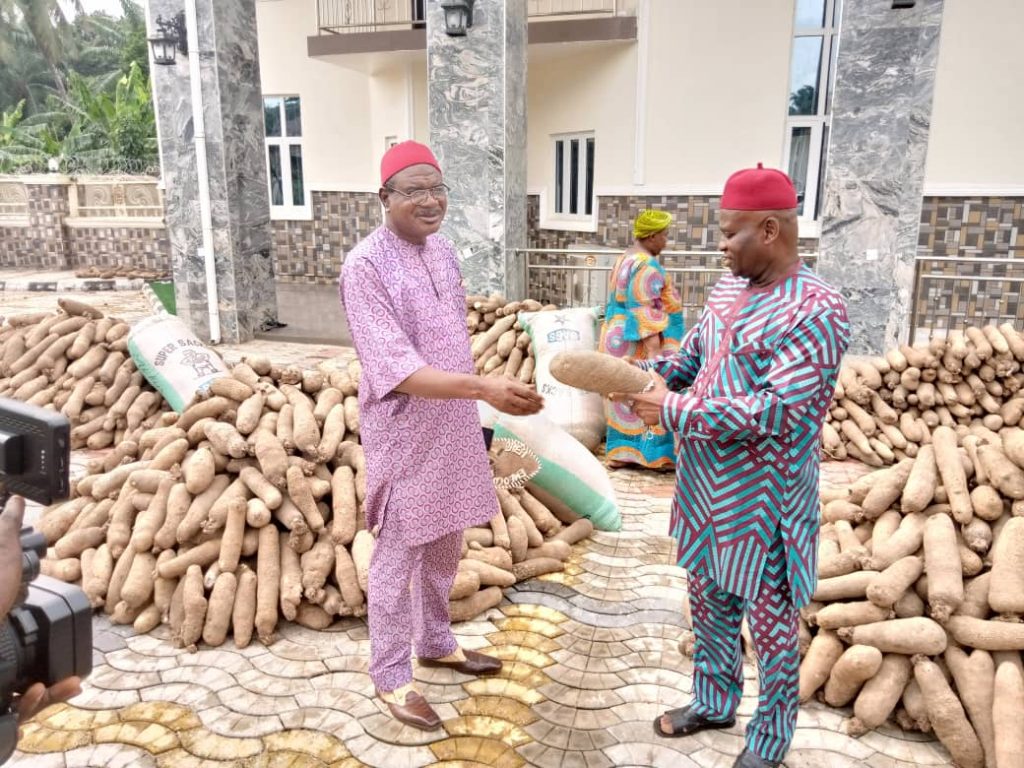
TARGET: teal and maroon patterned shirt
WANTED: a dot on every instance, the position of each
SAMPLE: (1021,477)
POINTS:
(751,384)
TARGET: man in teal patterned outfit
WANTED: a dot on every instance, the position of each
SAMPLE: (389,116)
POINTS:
(747,393)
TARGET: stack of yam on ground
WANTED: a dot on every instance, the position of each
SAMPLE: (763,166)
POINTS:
(501,347)
(247,509)
(75,361)
(886,408)
(128,271)
(919,605)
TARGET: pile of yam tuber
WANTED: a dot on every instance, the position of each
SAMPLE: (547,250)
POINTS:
(500,345)
(248,507)
(129,271)
(886,408)
(920,596)
(76,361)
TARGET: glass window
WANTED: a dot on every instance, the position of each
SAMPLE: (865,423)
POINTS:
(820,199)
(286,178)
(804,76)
(276,182)
(810,13)
(272,116)
(589,199)
(293,116)
(559,174)
(574,176)
(298,192)
(809,106)
(799,160)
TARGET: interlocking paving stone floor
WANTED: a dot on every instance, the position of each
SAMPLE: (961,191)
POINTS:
(591,659)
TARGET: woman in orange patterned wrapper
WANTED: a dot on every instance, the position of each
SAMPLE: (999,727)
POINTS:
(643,320)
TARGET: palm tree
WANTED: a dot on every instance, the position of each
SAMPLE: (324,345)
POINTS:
(804,101)
(46,23)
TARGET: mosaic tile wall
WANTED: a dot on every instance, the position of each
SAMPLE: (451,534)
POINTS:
(40,244)
(695,225)
(48,245)
(311,251)
(138,247)
(951,294)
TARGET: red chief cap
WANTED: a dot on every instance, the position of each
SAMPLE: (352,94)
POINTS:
(759,189)
(405,155)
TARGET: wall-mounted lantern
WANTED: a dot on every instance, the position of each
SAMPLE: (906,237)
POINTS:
(458,16)
(170,38)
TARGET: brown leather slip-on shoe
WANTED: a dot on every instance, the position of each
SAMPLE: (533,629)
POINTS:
(475,664)
(416,712)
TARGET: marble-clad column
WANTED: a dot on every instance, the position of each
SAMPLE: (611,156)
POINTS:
(881,115)
(233,110)
(477,106)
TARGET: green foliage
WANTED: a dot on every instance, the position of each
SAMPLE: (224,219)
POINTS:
(74,90)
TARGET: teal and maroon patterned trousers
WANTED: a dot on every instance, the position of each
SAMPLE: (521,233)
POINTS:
(718,662)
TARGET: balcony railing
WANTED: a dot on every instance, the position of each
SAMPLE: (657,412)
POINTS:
(950,292)
(344,16)
(579,278)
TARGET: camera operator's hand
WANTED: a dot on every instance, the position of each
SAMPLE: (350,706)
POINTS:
(10,553)
(38,697)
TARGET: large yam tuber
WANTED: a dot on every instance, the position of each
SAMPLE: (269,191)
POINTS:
(243,612)
(219,610)
(880,694)
(951,470)
(1006,593)
(907,636)
(838,615)
(598,372)
(943,564)
(194,608)
(887,490)
(362,554)
(857,665)
(986,635)
(946,715)
(1007,706)
(824,652)
(268,584)
(1002,473)
(974,676)
(471,607)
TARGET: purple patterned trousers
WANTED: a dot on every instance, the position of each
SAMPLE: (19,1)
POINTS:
(718,663)
(398,614)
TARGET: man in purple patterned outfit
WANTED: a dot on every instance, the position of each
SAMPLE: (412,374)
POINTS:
(428,476)
(747,394)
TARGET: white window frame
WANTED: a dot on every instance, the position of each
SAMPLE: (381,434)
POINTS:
(563,219)
(289,212)
(822,119)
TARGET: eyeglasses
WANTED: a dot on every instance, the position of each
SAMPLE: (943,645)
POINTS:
(419,196)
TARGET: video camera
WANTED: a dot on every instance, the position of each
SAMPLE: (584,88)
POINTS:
(48,634)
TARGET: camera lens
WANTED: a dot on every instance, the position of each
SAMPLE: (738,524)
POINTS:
(14,658)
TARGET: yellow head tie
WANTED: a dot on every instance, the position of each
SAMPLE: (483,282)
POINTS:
(650,222)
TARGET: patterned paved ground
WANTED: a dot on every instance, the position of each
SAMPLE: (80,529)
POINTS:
(591,658)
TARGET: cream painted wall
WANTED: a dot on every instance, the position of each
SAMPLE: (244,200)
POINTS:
(571,90)
(717,85)
(717,88)
(335,100)
(978,110)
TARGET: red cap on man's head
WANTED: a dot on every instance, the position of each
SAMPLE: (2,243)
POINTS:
(759,189)
(405,155)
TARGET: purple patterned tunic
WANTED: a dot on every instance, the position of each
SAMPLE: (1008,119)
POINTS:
(427,468)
